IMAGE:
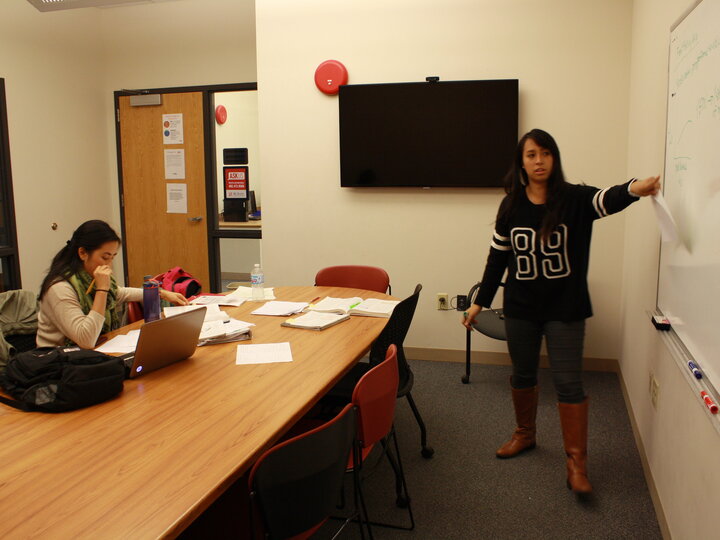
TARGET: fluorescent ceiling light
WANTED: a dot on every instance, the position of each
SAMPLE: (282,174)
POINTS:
(57,5)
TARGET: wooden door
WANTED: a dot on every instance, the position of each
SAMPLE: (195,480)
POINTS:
(154,239)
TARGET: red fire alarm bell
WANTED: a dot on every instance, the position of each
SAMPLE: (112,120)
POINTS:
(220,114)
(329,76)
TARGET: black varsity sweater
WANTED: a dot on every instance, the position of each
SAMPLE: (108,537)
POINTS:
(547,280)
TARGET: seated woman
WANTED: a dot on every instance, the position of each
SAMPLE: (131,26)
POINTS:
(79,297)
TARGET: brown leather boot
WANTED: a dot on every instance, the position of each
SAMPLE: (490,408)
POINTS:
(574,422)
(525,401)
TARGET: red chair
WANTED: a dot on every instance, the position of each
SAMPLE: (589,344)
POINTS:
(371,278)
(134,312)
(375,396)
(294,486)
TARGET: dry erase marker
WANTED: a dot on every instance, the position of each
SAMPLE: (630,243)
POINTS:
(709,403)
(695,370)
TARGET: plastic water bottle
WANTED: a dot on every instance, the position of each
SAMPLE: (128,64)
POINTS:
(151,300)
(257,279)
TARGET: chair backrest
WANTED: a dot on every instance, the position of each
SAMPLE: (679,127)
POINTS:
(371,278)
(134,312)
(394,332)
(295,485)
(375,396)
(18,322)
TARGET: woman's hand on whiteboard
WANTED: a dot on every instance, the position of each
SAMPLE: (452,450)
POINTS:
(648,186)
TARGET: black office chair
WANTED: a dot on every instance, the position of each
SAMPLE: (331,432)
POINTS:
(490,322)
(295,486)
(394,333)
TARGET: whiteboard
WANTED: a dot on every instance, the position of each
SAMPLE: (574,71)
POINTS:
(689,279)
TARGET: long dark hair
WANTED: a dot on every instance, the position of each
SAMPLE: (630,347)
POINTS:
(90,235)
(516,180)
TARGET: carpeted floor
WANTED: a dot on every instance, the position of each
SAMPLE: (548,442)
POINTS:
(464,492)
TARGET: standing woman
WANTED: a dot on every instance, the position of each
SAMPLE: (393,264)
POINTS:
(79,296)
(542,238)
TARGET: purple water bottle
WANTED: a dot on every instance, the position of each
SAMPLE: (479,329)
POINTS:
(151,299)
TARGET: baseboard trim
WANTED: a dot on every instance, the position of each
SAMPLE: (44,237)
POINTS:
(498,359)
(654,496)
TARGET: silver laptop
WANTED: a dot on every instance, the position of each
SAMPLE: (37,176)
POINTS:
(164,342)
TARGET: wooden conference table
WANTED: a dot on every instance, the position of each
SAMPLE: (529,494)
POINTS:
(146,464)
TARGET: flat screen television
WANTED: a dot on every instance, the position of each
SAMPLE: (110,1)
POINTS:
(429,134)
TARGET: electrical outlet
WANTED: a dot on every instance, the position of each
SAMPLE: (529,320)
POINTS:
(442,301)
(654,390)
(461,302)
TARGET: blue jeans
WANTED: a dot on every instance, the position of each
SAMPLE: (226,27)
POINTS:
(564,341)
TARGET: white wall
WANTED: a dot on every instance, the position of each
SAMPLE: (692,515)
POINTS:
(57,119)
(681,445)
(572,59)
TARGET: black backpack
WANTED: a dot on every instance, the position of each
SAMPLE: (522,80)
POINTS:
(57,379)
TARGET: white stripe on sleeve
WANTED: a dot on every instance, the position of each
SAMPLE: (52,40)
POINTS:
(599,203)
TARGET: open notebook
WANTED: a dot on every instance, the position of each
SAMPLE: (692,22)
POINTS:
(371,307)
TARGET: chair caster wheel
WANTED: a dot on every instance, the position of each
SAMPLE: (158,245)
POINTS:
(402,502)
(465,379)
(427,452)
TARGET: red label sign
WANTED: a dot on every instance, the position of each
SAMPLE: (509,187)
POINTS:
(236,182)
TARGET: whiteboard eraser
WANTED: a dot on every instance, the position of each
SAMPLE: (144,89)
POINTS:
(660,322)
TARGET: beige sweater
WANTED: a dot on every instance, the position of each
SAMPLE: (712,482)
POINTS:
(61,316)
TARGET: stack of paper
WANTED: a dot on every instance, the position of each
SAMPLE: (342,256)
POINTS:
(219,299)
(246,293)
(263,353)
(125,343)
(315,320)
(224,332)
(213,313)
(278,308)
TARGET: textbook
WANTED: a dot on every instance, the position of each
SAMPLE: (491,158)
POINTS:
(315,320)
(371,307)
(335,305)
(374,307)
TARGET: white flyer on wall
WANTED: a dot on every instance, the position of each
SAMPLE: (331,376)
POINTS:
(172,128)
(174,164)
(176,198)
